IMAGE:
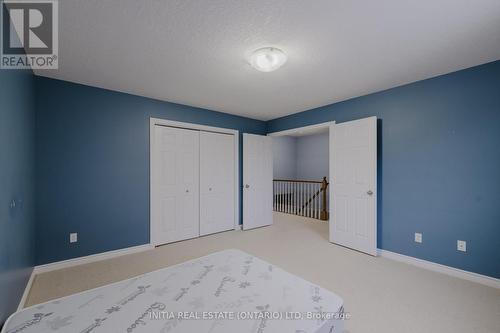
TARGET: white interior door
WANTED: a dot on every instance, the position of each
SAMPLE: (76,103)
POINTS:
(175,185)
(353,186)
(216,182)
(257,181)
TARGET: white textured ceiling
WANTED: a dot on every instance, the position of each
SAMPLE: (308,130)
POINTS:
(195,52)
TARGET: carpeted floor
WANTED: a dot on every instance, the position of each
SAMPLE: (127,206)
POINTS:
(381,295)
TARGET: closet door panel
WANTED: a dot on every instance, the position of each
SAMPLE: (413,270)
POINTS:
(216,182)
(176,185)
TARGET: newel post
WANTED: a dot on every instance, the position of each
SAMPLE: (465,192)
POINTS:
(324,212)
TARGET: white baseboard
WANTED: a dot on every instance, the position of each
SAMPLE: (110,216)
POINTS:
(26,290)
(78,261)
(92,258)
(432,266)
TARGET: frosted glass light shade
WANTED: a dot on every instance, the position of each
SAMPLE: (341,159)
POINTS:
(268,59)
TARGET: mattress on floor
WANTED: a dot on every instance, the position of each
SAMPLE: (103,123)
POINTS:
(207,294)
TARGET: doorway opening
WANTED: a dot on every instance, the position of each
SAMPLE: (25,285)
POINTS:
(301,171)
(352,178)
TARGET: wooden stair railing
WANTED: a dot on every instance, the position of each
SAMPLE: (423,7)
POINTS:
(301,197)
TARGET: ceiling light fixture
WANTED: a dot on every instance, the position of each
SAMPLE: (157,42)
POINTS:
(267,59)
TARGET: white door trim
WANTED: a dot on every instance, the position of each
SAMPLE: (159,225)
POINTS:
(308,128)
(171,123)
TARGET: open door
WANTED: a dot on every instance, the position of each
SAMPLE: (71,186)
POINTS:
(353,185)
(257,181)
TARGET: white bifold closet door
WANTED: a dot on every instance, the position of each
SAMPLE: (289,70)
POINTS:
(176,185)
(216,182)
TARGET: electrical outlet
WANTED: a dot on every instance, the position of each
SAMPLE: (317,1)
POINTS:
(462,245)
(73,237)
(418,237)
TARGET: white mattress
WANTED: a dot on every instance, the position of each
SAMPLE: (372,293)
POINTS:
(211,292)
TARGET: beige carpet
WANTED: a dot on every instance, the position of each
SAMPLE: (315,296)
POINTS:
(381,295)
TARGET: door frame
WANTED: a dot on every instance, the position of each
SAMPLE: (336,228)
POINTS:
(191,126)
(303,130)
(311,130)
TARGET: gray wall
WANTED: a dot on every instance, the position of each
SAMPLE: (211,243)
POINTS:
(304,157)
(284,154)
(312,157)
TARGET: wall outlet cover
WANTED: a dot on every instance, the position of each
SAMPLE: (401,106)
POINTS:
(461,245)
(73,237)
(418,237)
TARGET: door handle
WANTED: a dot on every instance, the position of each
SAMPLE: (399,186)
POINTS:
(370,192)
(187,191)
(247,186)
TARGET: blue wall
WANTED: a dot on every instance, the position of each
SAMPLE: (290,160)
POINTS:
(17,115)
(439,164)
(92,155)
